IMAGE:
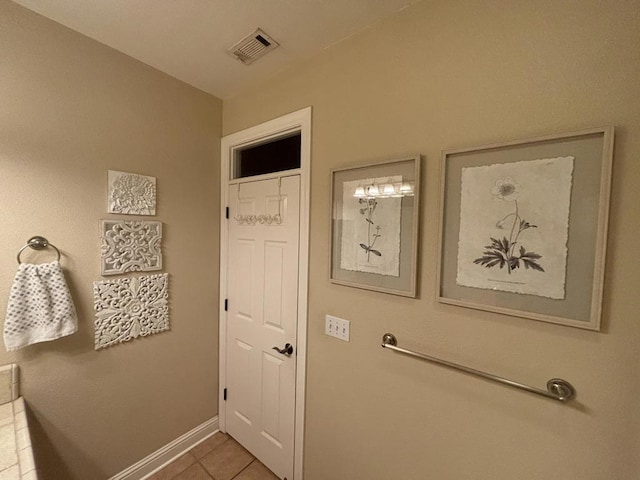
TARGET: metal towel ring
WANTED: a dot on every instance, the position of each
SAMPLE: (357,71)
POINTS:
(38,243)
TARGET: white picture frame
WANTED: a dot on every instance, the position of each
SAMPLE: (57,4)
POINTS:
(374,233)
(591,151)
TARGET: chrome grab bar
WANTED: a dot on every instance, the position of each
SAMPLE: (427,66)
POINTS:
(557,389)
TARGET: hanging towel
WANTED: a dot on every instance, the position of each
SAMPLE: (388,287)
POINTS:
(40,307)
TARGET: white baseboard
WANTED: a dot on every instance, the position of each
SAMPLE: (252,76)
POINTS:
(161,457)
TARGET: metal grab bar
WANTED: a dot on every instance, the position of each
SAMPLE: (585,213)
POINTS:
(557,389)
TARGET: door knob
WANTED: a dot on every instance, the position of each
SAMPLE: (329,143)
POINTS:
(287,350)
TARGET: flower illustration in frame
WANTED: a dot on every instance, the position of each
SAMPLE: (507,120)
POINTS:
(514,221)
(509,252)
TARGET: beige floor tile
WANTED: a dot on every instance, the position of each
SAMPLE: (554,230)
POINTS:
(174,468)
(226,461)
(256,471)
(194,472)
(209,444)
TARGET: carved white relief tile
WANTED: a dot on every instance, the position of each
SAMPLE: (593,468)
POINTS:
(129,308)
(131,194)
(130,247)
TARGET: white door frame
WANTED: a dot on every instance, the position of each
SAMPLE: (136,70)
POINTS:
(297,121)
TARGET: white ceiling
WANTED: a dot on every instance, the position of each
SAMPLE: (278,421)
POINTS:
(188,39)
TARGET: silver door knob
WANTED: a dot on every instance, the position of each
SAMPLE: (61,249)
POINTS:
(287,350)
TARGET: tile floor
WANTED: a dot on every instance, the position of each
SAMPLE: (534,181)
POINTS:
(219,457)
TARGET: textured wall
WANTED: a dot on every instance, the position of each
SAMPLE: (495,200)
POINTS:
(71,109)
(444,75)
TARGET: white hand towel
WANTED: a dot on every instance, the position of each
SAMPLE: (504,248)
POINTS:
(40,307)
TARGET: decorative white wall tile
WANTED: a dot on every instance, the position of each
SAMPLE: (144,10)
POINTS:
(130,308)
(130,247)
(131,193)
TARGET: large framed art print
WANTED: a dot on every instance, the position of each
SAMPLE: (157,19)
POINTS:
(523,227)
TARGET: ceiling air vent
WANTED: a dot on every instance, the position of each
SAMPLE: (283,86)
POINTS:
(252,47)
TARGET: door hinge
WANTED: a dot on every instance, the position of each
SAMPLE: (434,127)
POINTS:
(225,395)
(226,304)
(227,212)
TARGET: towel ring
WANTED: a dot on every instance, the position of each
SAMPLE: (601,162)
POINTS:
(38,243)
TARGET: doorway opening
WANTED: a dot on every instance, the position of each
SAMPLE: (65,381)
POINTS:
(269,259)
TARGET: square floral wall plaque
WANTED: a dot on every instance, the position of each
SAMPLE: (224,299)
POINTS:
(130,247)
(129,308)
(131,194)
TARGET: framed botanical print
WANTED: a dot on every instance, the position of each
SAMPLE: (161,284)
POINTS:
(374,225)
(523,227)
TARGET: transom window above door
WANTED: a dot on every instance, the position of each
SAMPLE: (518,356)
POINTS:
(274,155)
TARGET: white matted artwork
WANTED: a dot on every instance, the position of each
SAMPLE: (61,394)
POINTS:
(514,222)
(129,308)
(131,194)
(374,225)
(370,228)
(523,227)
(130,246)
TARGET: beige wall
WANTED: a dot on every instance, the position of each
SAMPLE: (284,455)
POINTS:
(435,76)
(70,110)
(443,75)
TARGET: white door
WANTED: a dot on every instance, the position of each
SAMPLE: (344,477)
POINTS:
(262,312)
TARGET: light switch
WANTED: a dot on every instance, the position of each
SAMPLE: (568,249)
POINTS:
(337,327)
